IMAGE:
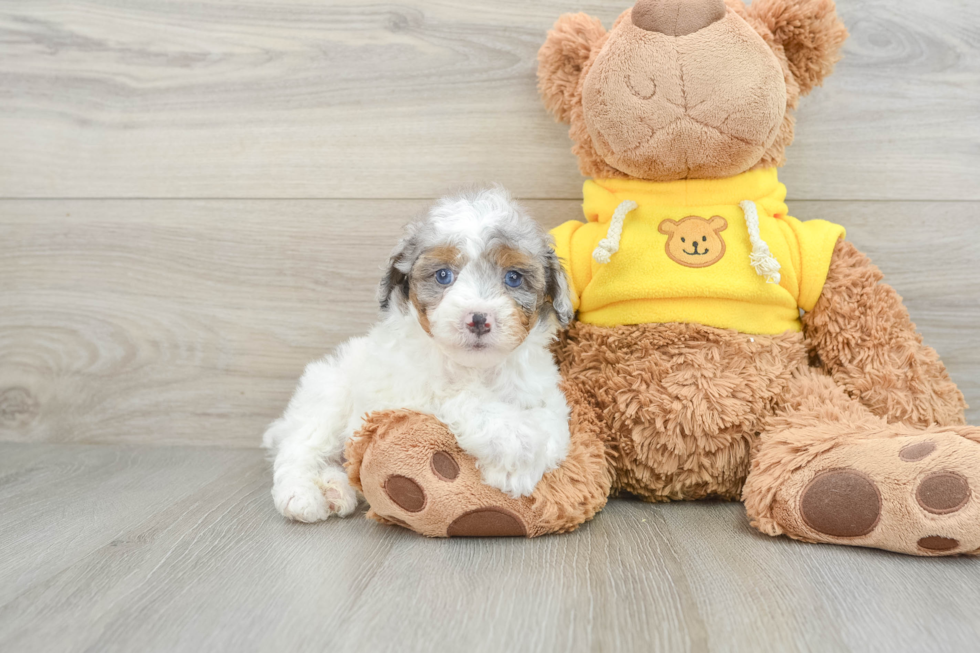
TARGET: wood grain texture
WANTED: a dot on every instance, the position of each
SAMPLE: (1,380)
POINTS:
(211,566)
(189,322)
(351,99)
(61,503)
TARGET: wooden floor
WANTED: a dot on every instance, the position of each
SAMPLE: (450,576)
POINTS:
(195,201)
(127,548)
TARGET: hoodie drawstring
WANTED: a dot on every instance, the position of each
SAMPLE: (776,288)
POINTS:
(610,244)
(761,258)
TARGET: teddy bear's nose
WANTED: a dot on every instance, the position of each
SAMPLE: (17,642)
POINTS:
(677,17)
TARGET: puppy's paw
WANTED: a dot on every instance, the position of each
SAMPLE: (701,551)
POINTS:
(340,496)
(515,455)
(300,502)
(514,484)
(315,500)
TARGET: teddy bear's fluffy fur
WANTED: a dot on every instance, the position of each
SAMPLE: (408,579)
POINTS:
(855,407)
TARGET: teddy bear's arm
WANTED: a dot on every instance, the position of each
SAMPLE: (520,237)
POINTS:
(864,338)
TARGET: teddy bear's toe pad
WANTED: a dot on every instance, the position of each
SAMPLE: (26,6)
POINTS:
(942,493)
(487,522)
(406,493)
(841,503)
(911,494)
(938,544)
(444,466)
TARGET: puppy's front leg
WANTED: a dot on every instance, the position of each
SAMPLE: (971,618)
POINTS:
(309,481)
(513,447)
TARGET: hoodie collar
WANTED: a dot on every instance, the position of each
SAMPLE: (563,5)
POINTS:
(762,186)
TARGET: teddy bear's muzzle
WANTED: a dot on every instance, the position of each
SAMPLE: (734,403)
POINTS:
(677,17)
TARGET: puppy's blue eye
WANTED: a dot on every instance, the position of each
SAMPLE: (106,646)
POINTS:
(444,276)
(513,279)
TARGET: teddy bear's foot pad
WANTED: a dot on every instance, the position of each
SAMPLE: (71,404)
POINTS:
(411,502)
(912,494)
(414,475)
(410,497)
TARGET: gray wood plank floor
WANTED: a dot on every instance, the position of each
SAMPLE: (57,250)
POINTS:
(120,548)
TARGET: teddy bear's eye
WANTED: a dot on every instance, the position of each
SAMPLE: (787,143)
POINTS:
(683,241)
(704,239)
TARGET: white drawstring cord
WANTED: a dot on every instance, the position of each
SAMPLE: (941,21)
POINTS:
(761,258)
(610,244)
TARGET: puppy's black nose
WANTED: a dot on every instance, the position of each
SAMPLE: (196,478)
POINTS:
(478,324)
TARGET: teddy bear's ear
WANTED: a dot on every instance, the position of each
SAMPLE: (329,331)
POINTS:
(810,32)
(561,58)
(667,227)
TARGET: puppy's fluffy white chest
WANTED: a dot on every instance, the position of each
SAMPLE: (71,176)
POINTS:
(397,366)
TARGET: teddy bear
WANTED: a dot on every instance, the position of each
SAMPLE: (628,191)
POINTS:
(722,348)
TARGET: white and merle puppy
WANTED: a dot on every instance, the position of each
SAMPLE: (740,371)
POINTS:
(472,298)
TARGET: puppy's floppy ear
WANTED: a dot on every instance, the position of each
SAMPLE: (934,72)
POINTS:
(394,283)
(810,32)
(557,289)
(560,60)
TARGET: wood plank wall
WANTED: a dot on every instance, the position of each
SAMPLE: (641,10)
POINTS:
(196,197)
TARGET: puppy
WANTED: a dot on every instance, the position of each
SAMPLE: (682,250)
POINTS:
(472,297)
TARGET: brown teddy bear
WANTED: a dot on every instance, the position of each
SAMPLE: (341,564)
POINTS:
(722,347)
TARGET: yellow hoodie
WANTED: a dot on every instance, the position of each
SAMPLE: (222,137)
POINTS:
(720,252)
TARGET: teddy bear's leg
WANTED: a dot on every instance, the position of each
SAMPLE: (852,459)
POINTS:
(865,340)
(828,470)
(413,473)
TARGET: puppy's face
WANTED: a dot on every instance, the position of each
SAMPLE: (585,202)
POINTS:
(479,276)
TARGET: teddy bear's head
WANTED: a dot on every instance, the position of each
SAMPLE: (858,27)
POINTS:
(687,89)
